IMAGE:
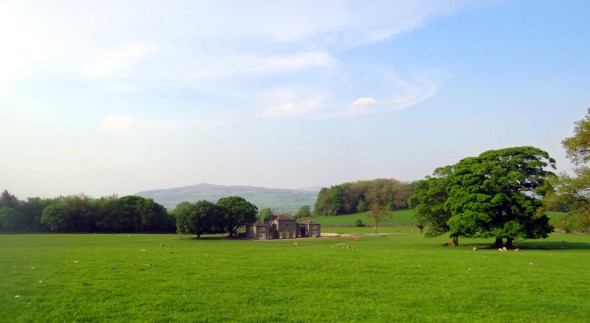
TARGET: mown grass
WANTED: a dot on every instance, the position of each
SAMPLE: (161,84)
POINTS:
(393,277)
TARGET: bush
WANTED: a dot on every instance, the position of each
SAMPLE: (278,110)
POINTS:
(359,223)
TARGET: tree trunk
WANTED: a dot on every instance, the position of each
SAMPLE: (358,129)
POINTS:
(198,235)
(455,241)
(499,243)
(509,242)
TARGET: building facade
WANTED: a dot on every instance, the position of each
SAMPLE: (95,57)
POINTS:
(283,227)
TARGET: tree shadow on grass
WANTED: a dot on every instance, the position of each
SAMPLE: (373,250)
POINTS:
(553,245)
(540,245)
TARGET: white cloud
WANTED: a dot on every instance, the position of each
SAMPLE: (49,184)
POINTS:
(292,102)
(365,100)
(116,123)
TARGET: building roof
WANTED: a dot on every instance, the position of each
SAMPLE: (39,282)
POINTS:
(282,217)
(259,224)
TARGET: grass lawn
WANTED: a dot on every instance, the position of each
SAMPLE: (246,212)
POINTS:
(391,277)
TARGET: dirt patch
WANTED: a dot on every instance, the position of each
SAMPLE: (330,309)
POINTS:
(343,235)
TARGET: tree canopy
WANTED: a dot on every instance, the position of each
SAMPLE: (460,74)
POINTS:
(428,201)
(80,213)
(198,218)
(236,212)
(497,194)
(348,198)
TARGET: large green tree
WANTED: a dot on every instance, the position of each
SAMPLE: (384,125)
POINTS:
(199,218)
(133,214)
(236,212)
(497,194)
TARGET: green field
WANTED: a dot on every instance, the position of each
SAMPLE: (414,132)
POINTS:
(392,277)
(396,217)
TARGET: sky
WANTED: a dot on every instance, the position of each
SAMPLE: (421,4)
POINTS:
(116,97)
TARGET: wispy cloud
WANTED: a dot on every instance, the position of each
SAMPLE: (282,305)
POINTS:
(221,66)
(402,93)
(118,61)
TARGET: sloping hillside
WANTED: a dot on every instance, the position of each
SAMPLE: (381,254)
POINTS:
(279,200)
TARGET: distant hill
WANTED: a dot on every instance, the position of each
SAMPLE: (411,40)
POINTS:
(279,200)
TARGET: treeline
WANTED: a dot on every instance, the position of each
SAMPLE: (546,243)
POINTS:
(80,213)
(227,215)
(361,196)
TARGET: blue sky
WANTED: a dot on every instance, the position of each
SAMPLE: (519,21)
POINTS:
(107,97)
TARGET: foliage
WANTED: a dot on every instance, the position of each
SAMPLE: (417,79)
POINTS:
(134,214)
(350,198)
(428,200)
(8,200)
(55,218)
(264,214)
(80,213)
(497,194)
(236,212)
(201,217)
(359,223)
(573,191)
(377,213)
(10,219)
(304,212)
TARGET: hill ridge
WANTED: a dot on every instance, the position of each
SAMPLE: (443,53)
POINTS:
(278,199)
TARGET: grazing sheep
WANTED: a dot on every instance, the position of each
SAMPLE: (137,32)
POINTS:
(474,248)
(504,249)
(516,249)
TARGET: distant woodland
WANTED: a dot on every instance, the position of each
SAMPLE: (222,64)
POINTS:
(361,196)
(81,213)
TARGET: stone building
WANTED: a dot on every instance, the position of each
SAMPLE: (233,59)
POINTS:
(309,229)
(283,227)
